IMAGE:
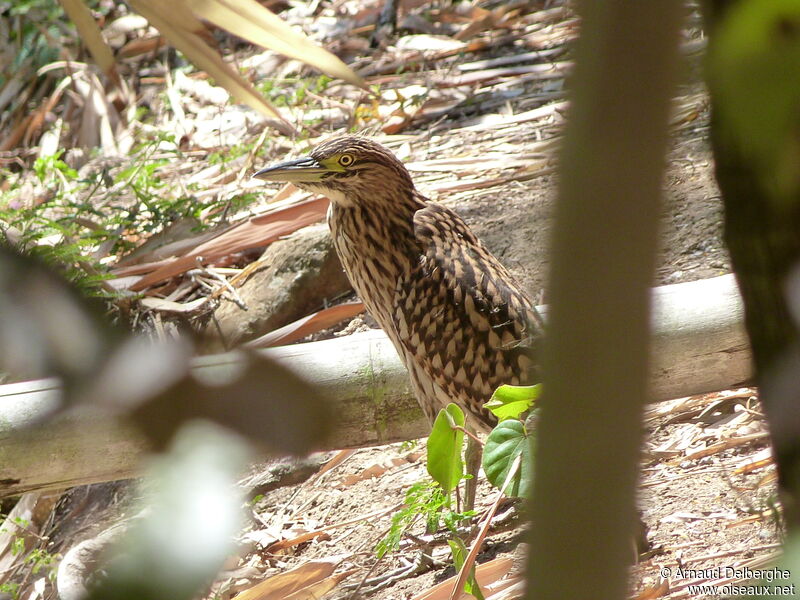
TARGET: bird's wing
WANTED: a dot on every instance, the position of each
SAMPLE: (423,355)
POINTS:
(461,315)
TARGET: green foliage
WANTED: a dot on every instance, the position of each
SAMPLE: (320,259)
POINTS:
(12,589)
(444,448)
(45,166)
(409,446)
(36,29)
(292,92)
(753,53)
(459,551)
(33,33)
(511,401)
(37,559)
(505,443)
(79,219)
(40,559)
(424,500)
(228,154)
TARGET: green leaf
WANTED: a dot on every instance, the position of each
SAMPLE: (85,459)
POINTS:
(459,551)
(510,401)
(424,499)
(444,448)
(507,441)
(754,49)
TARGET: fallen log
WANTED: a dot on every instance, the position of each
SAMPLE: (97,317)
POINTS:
(699,346)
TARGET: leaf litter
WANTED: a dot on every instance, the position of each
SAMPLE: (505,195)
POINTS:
(472,99)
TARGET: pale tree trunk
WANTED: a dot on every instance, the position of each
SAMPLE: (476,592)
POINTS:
(597,341)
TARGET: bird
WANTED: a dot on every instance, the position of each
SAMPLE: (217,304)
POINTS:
(460,321)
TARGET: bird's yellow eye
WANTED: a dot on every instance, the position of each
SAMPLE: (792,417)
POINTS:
(346,160)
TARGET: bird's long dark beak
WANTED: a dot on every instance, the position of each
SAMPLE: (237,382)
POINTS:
(300,170)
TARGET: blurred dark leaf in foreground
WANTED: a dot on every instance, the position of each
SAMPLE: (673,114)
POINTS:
(46,327)
(252,395)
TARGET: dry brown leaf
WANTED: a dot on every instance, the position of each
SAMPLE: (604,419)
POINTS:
(10,89)
(318,590)
(251,21)
(170,306)
(545,71)
(423,42)
(481,19)
(13,139)
(322,532)
(255,232)
(176,21)
(99,117)
(373,471)
(338,458)
(654,591)
(511,588)
(297,540)
(474,164)
(141,46)
(175,239)
(496,121)
(757,461)
(536,169)
(90,35)
(502,61)
(726,445)
(301,328)
(485,573)
(279,586)
(261,537)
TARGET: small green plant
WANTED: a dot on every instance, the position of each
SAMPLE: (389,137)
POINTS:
(37,559)
(507,447)
(10,588)
(78,220)
(408,446)
(292,92)
(432,501)
(424,501)
(40,559)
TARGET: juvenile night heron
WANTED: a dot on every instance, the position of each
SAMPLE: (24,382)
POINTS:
(460,321)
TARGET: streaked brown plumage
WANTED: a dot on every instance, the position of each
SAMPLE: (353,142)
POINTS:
(460,321)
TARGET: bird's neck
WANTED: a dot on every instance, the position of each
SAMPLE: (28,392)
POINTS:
(376,245)
(376,222)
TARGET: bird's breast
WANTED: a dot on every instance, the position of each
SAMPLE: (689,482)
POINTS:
(375,257)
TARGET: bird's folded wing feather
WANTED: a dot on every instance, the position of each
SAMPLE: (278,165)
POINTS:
(461,314)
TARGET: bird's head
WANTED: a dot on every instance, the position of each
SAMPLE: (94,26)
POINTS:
(349,170)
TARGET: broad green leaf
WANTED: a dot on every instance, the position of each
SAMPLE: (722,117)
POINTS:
(460,552)
(753,76)
(510,401)
(444,448)
(47,328)
(507,441)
